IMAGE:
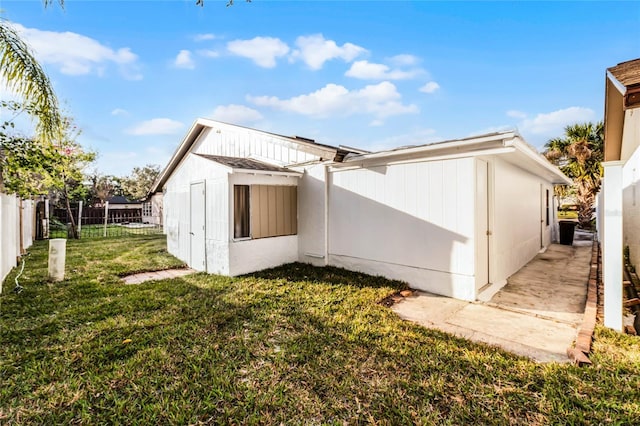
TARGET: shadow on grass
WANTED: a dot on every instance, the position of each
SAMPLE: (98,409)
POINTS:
(294,344)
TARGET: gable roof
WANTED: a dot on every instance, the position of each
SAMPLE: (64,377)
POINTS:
(622,92)
(325,152)
(250,165)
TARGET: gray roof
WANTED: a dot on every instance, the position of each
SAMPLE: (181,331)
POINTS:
(244,163)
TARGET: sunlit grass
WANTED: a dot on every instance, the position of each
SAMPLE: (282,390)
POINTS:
(296,344)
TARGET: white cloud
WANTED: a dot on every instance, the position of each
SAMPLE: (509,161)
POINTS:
(419,136)
(315,50)
(430,87)
(156,126)
(208,53)
(404,60)
(236,114)
(204,37)
(184,60)
(75,54)
(119,111)
(262,50)
(553,123)
(366,70)
(516,114)
(380,100)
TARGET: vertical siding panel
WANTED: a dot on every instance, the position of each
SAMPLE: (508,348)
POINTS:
(435,193)
(287,210)
(280,207)
(411,185)
(294,209)
(255,211)
(264,211)
(271,196)
(270,149)
(422,190)
(449,188)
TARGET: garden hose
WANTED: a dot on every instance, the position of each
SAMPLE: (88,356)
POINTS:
(18,288)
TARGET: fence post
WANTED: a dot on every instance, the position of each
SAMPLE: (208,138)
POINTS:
(106,216)
(45,231)
(80,219)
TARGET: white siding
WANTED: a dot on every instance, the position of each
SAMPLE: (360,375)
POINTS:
(631,206)
(311,216)
(231,141)
(177,205)
(404,222)
(516,222)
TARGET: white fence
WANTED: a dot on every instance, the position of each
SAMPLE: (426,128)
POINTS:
(11,239)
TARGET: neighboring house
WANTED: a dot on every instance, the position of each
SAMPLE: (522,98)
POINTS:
(152,209)
(619,215)
(120,202)
(449,218)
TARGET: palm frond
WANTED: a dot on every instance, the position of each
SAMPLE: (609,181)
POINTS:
(24,76)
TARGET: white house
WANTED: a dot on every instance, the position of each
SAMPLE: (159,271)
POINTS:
(449,218)
(152,209)
(619,212)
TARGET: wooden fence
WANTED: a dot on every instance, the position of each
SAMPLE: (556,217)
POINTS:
(16,231)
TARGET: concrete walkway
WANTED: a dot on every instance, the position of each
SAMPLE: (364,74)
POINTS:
(535,315)
(157,275)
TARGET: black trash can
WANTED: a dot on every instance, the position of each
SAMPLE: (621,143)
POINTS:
(567,228)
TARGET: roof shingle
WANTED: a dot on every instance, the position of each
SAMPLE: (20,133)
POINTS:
(627,73)
(244,163)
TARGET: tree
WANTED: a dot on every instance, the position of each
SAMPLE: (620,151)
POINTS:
(66,180)
(23,76)
(579,154)
(104,187)
(137,185)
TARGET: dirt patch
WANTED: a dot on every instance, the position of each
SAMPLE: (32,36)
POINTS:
(397,297)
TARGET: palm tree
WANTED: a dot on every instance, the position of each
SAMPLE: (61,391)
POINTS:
(579,155)
(25,77)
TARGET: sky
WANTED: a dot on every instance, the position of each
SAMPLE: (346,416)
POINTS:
(372,75)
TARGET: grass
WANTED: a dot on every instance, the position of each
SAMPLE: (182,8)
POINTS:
(292,345)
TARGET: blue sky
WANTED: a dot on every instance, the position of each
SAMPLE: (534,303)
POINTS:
(375,75)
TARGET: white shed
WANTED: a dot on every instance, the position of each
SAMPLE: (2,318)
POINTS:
(450,218)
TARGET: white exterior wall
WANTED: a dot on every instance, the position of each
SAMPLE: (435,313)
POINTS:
(311,216)
(246,143)
(518,209)
(246,256)
(411,222)
(177,212)
(156,216)
(631,185)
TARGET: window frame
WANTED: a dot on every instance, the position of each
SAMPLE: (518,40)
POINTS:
(248,208)
(251,211)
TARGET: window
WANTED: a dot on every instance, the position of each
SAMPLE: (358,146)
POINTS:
(241,211)
(547,207)
(262,211)
(146,209)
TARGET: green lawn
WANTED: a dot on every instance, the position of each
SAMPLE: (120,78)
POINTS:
(293,345)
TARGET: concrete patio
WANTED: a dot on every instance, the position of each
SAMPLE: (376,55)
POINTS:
(536,314)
